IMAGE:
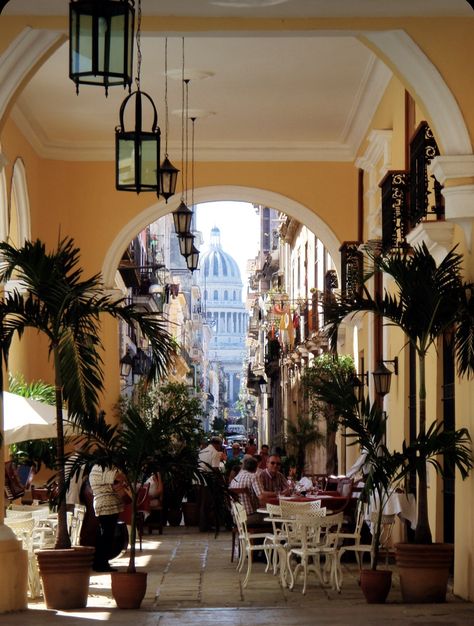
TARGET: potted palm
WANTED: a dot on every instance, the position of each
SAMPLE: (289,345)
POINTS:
(429,301)
(55,299)
(365,426)
(142,444)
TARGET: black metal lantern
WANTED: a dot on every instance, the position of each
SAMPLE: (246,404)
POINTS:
(192,260)
(186,244)
(126,364)
(101,42)
(358,387)
(262,383)
(168,179)
(182,217)
(382,379)
(137,152)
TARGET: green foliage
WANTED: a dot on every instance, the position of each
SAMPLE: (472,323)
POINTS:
(143,443)
(430,300)
(299,436)
(66,308)
(33,452)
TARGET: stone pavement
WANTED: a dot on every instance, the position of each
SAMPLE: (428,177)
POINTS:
(191,582)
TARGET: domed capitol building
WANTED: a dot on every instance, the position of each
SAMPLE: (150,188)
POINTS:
(221,286)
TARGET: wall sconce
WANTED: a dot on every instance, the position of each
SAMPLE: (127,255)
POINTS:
(383,376)
(359,382)
(126,364)
(262,383)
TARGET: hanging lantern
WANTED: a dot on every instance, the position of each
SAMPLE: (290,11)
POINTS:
(168,179)
(137,152)
(186,244)
(182,217)
(192,260)
(101,42)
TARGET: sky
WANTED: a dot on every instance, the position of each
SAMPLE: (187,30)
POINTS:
(239,226)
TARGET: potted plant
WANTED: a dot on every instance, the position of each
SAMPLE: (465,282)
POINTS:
(429,301)
(55,299)
(365,425)
(143,443)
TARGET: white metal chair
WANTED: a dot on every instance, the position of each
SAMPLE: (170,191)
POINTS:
(23,528)
(290,508)
(246,541)
(319,538)
(360,549)
(76,523)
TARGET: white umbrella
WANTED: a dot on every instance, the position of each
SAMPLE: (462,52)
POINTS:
(25,418)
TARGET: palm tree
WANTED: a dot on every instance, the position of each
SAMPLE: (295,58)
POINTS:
(430,300)
(300,435)
(138,446)
(66,308)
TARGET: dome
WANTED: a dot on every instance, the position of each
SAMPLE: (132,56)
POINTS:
(216,264)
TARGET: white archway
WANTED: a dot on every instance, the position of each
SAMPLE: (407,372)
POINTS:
(219,193)
(22,202)
(423,80)
(3,199)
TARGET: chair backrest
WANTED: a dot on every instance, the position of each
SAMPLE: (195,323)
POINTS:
(23,529)
(344,487)
(12,514)
(274,510)
(76,523)
(387,523)
(290,509)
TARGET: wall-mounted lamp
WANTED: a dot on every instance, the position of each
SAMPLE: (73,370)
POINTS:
(383,376)
(359,382)
(262,383)
(126,364)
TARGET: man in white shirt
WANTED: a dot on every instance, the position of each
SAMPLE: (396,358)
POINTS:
(209,461)
(210,457)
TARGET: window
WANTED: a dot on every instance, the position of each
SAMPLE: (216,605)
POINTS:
(216,295)
(226,295)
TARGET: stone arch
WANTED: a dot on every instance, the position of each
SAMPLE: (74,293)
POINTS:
(3,199)
(219,193)
(21,201)
(423,80)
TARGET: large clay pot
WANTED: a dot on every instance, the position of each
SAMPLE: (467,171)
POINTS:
(65,574)
(128,590)
(424,571)
(191,513)
(375,585)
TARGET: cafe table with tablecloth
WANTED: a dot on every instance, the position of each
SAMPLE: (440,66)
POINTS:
(331,502)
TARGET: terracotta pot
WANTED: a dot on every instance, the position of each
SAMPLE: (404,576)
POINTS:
(65,574)
(128,590)
(174,516)
(424,571)
(191,513)
(375,585)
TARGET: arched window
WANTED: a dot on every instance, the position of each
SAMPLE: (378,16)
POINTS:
(226,295)
(216,294)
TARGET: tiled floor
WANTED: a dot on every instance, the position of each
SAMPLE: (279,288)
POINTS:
(191,582)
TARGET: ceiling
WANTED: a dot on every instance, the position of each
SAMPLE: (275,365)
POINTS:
(273,97)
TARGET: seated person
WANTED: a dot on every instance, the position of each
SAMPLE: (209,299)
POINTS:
(246,478)
(271,482)
(155,492)
(235,452)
